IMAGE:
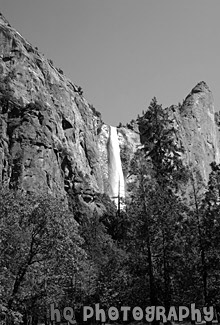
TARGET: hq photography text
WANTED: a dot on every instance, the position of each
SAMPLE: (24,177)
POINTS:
(125,313)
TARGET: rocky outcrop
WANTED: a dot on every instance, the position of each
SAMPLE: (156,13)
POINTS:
(196,129)
(48,131)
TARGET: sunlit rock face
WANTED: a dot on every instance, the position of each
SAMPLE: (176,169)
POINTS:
(48,131)
(115,173)
(196,129)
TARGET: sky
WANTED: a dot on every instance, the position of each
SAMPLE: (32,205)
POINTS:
(124,52)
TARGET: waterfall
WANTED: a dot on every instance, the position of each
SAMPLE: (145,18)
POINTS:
(115,173)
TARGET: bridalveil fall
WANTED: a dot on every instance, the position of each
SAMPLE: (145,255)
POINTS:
(115,173)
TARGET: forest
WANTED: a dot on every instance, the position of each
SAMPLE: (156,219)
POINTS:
(162,249)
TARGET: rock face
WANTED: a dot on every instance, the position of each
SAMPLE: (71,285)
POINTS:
(48,131)
(53,140)
(197,130)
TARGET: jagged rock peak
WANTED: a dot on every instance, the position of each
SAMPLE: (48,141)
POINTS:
(197,129)
(200,98)
(200,87)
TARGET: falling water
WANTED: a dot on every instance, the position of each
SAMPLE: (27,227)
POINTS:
(116,177)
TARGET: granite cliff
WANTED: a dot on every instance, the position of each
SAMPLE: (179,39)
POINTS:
(48,131)
(197,130)
(53,140)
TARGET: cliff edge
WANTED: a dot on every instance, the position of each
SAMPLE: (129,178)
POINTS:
(48,131)
(196,129)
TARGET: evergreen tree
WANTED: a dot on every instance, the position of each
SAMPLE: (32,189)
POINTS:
(210,229)
(160,173)
(158,138)
(40,255)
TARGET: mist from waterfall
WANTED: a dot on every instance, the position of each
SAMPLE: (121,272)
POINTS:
(115,173)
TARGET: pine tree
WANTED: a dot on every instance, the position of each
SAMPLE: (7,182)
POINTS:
(158,137)
(210,228)
(163,207)
(205,228)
